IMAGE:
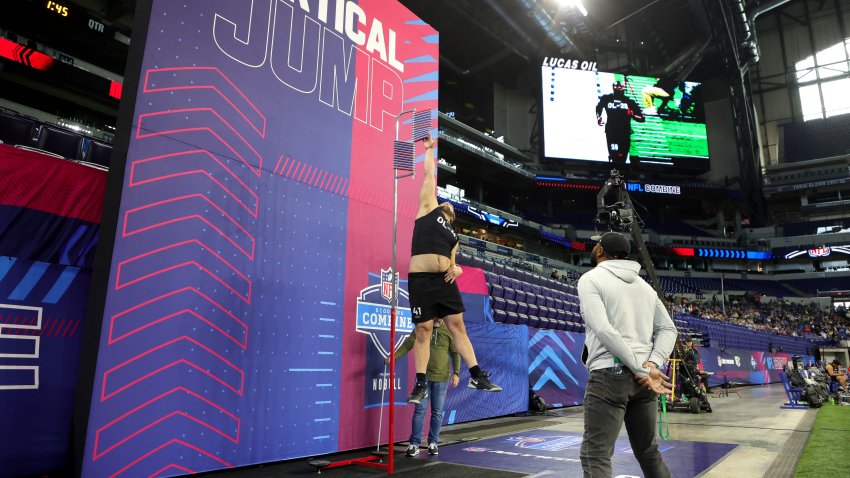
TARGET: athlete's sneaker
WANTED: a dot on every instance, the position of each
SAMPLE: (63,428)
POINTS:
(412,450)
(419,393)
(482,382)
(433,449)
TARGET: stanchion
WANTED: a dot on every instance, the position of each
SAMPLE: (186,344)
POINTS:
(404,159)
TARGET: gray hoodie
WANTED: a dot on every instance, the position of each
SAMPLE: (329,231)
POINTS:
(624,318)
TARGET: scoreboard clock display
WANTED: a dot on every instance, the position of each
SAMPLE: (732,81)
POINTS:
(60,9)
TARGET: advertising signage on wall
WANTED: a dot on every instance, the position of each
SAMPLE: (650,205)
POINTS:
(245,296)
(819,252)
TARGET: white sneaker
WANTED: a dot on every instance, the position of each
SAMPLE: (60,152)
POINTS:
(412,450)
(433,449)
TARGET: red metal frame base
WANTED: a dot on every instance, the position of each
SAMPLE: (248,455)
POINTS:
(364,461)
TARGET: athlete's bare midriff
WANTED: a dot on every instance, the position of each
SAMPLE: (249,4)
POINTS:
(429,263)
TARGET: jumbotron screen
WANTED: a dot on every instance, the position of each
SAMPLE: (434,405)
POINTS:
(632,122)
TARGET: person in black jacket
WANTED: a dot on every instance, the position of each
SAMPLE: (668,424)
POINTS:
(620,111)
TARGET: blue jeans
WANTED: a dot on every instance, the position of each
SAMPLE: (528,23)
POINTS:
(610,400)
(437,397)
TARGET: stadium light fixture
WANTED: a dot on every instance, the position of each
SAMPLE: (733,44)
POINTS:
(575,3)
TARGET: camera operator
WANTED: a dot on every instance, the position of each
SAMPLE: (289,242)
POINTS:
(691,360)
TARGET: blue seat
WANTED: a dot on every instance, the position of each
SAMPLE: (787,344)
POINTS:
(522,319)
(60,141)
(527,287)
(498,303)
(521,308)
(499,268)
(550,302)
(98,153)
(536,289)
(546,323)
(545,312)
(519,295)
(17,130)
(532,321)
(512,317)
(511,306)
(500,316)
(496,290)
(509,294)
(490,277)
(488,265)
(510,272)
(531,298)
(794,394)
(557,304)
(477,262)
(562,315)
(534,310)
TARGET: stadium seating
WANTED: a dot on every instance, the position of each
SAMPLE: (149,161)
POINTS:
(62,142)
(520,297)
(16,130)
(821,284)
(98,153)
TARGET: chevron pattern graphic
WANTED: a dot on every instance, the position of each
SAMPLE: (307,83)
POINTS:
(192,206)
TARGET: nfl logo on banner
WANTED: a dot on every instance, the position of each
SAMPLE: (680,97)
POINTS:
(387,284)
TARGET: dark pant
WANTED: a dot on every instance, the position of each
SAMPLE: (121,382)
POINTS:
(619,143)
(609,400)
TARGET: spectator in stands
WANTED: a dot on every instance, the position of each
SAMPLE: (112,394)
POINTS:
(629,336)
(554,274)
(431,283)
(438,377)
(836,375)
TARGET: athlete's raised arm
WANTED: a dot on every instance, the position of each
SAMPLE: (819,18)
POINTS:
(428,193)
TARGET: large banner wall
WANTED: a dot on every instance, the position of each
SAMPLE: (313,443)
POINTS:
(748,367)
(555,370)
(50,212)
(246,317)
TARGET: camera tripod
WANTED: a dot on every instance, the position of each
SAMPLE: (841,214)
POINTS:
(619,216)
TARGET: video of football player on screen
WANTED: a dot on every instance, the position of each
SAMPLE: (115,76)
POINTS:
(620,110)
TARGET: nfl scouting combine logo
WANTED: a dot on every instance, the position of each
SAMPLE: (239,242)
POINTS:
(373,320)
(548,443)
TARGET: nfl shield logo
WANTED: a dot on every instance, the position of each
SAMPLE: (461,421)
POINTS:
(387,284)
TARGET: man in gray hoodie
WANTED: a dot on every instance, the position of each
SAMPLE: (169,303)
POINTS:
(629,336)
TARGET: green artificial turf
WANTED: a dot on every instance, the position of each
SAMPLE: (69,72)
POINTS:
(828,446)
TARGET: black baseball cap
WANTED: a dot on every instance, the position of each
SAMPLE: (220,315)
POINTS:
(614,244)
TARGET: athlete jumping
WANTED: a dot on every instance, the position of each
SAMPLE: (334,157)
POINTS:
(431,283)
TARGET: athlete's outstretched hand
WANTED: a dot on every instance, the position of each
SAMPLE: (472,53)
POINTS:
(429,142)
(599,121)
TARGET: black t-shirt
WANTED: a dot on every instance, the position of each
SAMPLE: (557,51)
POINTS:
(617,108)
(433,234)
